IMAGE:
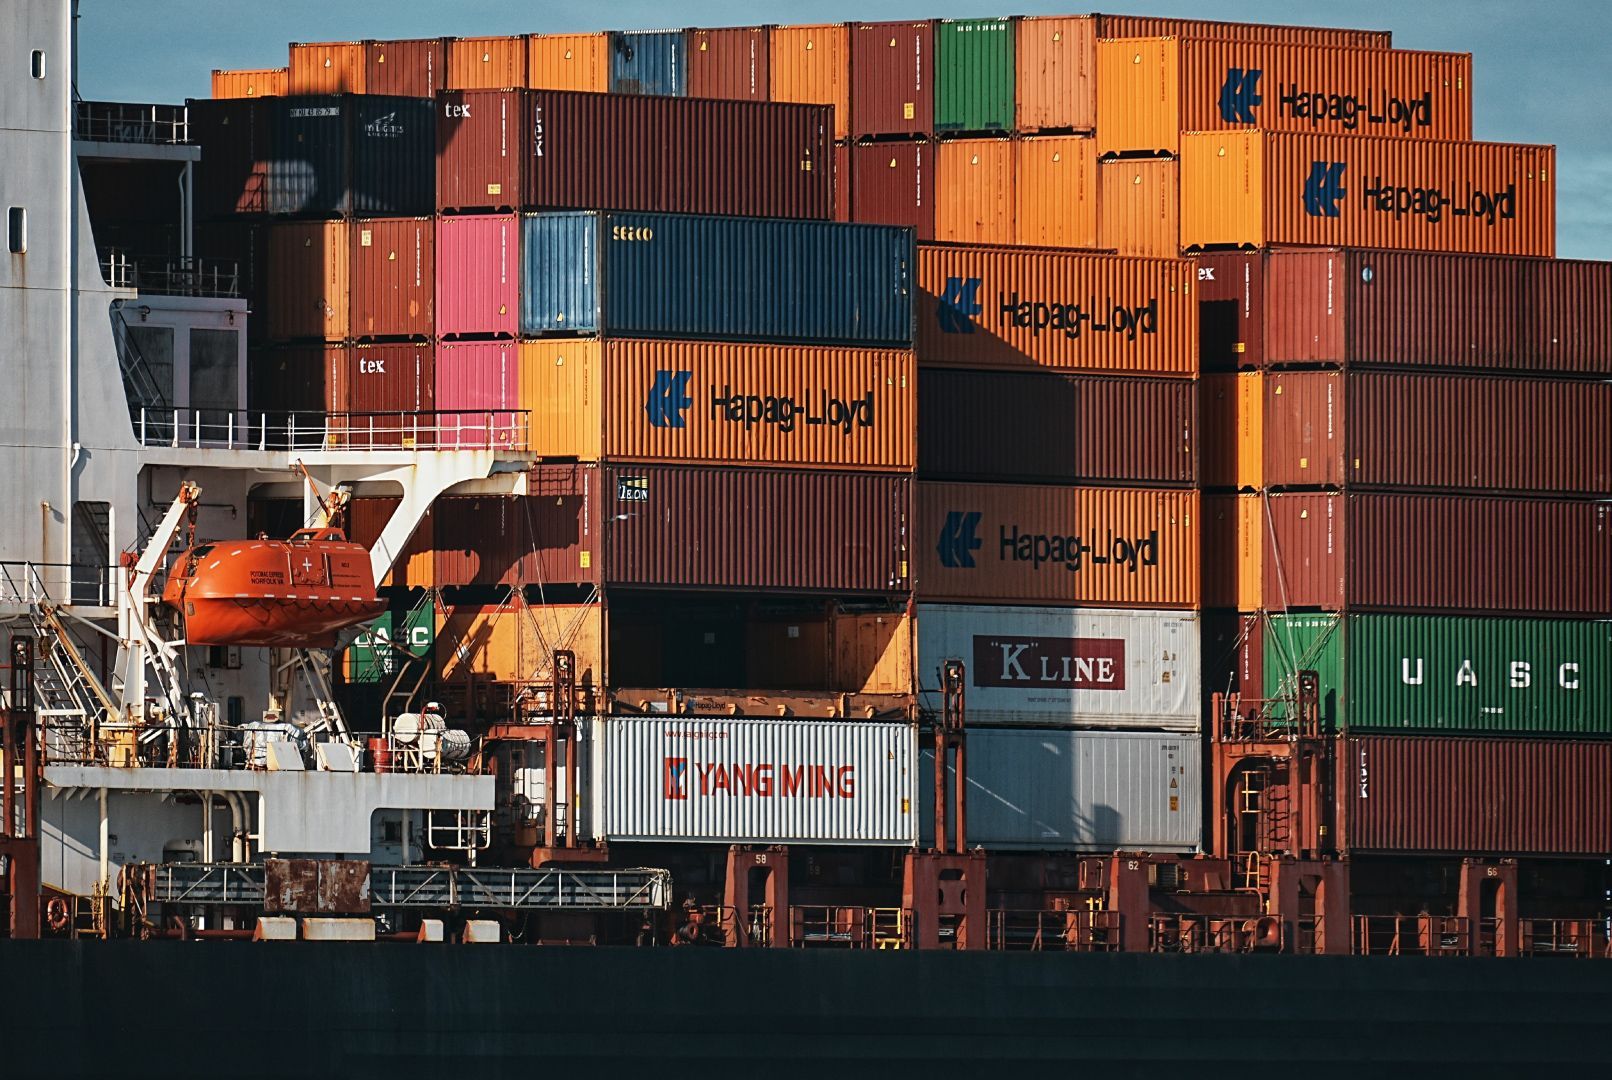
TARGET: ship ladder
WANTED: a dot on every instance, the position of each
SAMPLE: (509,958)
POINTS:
(67,690)
(417,665)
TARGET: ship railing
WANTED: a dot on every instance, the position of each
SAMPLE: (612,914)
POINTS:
(1035,930)
(1583,938)
(1190,932)
(228,429)
(26,582)
(131,122)
(834,926)
(1412,935)
(168,275)
(1240,719)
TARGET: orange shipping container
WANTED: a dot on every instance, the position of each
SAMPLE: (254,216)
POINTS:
(1056,87)
(1007,543)
(307,293)
(568,62)
(516,643)
(1153,89)
(812,64)
(1140,26)
(1139,206)
(1073,311)
(1233,557)
(1254,189)
(974,196)
(330,67)
(411,67)
(1055,193)
(720,403)
(486,63)
(1233,406)
(255,82)
(393,276)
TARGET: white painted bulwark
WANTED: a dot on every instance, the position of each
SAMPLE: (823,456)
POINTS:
(1069,667)
(1098,791)
(754,781)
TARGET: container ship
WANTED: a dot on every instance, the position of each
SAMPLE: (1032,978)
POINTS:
(870,486)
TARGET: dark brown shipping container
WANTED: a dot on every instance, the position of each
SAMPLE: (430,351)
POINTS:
(894,184)
(1231,662)
(415,67)
(483,149)
(1456,555)
(1141,26)
(1030,427)
(1406,794)
(289,378)
(1569,316)
(842,181)
(233,136)
(384,389)
(729,63)
(1449,432)
(892,78)
(393,272)
(480,540)
(367,516)
(1231,310)
(563,528)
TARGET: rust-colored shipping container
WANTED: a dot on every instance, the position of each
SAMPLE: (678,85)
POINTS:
(1112,547)
(328,67)
(893,184)
(1438,554)
(568,62)
(1156,88)
(484,149)
(308,281)
(1056,200)
(892,78)
(1056,78)
(1231,309)
(1142,26)
(1568,316)
(413,67)
(486,63)
(729,63)
(414,565)
(1406,794)
(812,64)
(975,191)
(245,83)
(984,307)
(1229,428)
(1254,189)
(481,540)
(1229,568)
(387,393)
(516,643)
(798,406)
(393,277)
(1139,206)
(842,182)
(1436,432)
(1044,427)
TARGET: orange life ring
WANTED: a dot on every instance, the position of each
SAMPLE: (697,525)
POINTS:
(57,915)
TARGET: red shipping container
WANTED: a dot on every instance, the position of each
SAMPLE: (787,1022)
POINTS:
(894,184)
(1405,794)
(1456,555)
(477,395)
(479,540)
(729,63)
(393,278)
(1231,310)
(478,282)
(842,181)
(1568,316)
(387,393)
(484,149)
(563,529)
(1141,26)
(415,67)
(892,78)
(308,265)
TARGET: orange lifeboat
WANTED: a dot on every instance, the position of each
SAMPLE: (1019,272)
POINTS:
(295,592)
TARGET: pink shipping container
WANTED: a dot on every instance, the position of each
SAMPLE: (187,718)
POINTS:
(476,394)
(478,275)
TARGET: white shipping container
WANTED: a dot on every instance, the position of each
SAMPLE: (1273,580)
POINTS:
(1068,667)
(744,781)
(1035,789)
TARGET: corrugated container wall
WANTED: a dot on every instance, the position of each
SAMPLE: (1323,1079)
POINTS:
(1068,667)
(741,278)
(477,394)
(729,63)
(1410,430)
(1044,427)
(247,83)
(811,64)
(483,149)
(1056,78)
(518,644)
(486,63)
(892,78)
(290,379)
(568,62)
(798,406)
(975,191)
(1099,791)
(1056,196)
(331,67)
(754,781)
(649,62)
(478,275)
(1156,88)
(1438,554)
(974,75)
(1424,674)
(308,290)
(350,154)
(1141,26)
(894,184)
(1139,207)
(1009,308)
(1253,189)
(1231,310)
(480,540)
(1115,547)
(384,389)
(393,277)
(1495,797)
(415,67)
(232,175)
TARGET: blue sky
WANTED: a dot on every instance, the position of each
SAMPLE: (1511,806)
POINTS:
(1538,70)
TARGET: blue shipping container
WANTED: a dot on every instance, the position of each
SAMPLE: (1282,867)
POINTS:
(716,278)
(649,62)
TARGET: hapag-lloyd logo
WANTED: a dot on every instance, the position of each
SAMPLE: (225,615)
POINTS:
(959,304)
(1239,94)
(1324,191)
(669,401)
(758,780)
(1323,188)
(668,398)
(959,540)
(1038,663)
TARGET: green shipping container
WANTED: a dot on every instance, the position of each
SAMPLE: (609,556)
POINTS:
(378,653)
(974,75)
(1419,674)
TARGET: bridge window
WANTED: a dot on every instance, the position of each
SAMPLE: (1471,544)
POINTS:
(17,230)
(39,63)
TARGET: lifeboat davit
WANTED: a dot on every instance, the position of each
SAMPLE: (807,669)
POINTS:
(288,593)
